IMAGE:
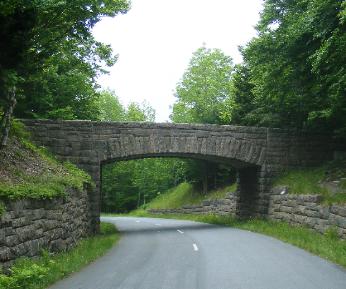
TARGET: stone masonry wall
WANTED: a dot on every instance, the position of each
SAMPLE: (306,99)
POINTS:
(307,210)
(28,226)
(304,210)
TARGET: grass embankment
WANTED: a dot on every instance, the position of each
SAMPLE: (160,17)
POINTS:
(328,180)
(184,194)
(27,171)
(41,272)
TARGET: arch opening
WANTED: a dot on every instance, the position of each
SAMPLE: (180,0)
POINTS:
(247,176)
(154,175)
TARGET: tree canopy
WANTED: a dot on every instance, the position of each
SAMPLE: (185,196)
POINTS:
(51,56)
(204,87)
(295,68)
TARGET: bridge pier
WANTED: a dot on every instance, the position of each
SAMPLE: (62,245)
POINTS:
(253,190)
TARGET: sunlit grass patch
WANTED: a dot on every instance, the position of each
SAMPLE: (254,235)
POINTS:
(315,181)
(184,194)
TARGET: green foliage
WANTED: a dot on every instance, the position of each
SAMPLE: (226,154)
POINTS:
(39,190)
(129,184)
(185,194)
(65,113)
(332,233)
(49,54)
(52,182)
(46,186)
(240,107)
(2,208)
(304,182)
(110,107)
(293,73)
(76,177)
(313,181)
(18,130)
(38,274)
(205,86)
(204,96)
(140,112)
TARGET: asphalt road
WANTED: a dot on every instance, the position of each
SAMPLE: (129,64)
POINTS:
(172,254)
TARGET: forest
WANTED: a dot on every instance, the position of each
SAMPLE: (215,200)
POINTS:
(293,75)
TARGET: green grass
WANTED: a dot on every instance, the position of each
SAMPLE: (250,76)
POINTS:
(38,274)
(44,178)
(184,194)
(327,246)
(303,181)
(308,181)
(46,186)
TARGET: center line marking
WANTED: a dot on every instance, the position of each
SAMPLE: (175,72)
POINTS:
(181,232)
(138,221)
(195,247)
(157,225)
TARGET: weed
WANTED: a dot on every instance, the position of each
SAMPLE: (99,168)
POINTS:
(2,208)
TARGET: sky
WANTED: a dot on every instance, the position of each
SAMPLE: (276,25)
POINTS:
(156,38)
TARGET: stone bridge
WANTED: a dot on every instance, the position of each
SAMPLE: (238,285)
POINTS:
(258,154)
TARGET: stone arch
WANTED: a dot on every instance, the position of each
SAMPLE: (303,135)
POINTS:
(250,184)
(258,153)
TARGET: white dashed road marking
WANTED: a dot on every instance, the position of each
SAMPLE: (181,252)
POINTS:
(181,232)
(195,247)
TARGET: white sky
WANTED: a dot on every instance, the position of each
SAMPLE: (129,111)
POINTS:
(156,38)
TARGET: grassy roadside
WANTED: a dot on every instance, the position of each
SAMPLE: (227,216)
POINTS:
(39,273)
(328,180)
(327,246)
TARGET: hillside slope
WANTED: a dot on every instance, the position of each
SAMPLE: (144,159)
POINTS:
(27,171)
(328,180)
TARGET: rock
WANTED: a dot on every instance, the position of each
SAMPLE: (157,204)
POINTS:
(280,190)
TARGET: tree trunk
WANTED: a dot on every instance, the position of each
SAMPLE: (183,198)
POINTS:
(6,119)
(205,178)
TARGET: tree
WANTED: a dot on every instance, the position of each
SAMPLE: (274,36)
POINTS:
(296,65)
(131,183)
(137,112)
(204,96)
(240,107)
(204,88)
(110,107)
(50,56)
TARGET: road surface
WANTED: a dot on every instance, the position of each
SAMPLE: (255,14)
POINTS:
(172,254)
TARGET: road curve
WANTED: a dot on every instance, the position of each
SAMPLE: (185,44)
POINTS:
(172,254)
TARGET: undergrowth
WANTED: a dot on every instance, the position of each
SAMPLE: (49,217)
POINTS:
(38,274)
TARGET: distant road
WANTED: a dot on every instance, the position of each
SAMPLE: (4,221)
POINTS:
(172,254)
